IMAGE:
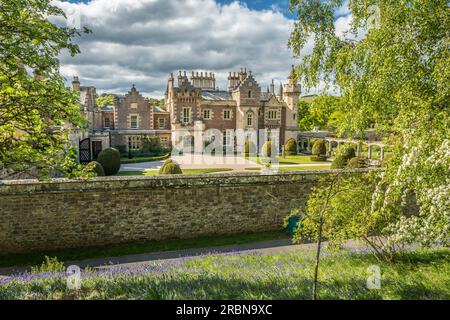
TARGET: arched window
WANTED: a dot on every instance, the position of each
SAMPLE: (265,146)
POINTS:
(250,94)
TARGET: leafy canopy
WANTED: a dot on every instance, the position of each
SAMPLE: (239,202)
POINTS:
(393,71)
(36,108)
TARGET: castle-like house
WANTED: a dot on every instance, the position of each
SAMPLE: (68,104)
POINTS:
(193,104)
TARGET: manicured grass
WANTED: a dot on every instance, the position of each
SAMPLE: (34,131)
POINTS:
(417,275)
(36,258)
(139,159)
(296,168)
(185,171)
(301,159)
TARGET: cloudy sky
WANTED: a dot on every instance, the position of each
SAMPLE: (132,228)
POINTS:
(141,41)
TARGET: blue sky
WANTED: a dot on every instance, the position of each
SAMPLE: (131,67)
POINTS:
(142,41)
(282,5)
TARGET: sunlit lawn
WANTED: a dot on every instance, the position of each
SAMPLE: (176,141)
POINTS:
(305,168)
(301,159)
(185,171)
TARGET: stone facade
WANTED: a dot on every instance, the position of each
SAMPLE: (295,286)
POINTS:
(67,214)
(195,105)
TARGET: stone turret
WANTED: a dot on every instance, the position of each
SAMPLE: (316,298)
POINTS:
(76,84)
(291,93)
(272,88)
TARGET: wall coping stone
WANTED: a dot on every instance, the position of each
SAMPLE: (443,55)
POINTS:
(20,187)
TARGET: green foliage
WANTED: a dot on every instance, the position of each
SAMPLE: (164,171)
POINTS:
(319,148)
(345,153)
(170,167)
(49,265)
(105,100)
(267,149)
(356,163)
(35,107)
(110,160)
(339,162)
(394,78)
(97,168)
(152,146)
(291,148)
(342,201)
(323,111)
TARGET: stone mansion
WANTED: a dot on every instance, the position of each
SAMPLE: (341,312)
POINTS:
(192,103)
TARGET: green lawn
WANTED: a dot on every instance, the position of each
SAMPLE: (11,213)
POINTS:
(36,258)
(420,275)
(289,160)
(139,159)
(185,171)
(296,168)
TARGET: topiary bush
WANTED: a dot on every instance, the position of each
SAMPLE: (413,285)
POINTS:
(97,168)
(248,148)
(319,148)
(347,151)
(267,149)
(339,162)
(110,160)
(291,148)
(344,155)
(170,167)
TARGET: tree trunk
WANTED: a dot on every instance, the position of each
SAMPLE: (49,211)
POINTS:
(316,271)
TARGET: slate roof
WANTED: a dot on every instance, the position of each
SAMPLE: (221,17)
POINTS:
(216,95)
(159,109)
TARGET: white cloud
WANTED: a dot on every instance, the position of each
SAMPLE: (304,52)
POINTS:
(142,41)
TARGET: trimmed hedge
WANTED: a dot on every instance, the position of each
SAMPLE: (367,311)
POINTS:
(319,148)
(339,162)
(97,168)
(291,148)
(170,167)
(267,149)
(110,160)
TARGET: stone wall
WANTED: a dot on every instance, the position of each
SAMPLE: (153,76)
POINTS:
(62,214)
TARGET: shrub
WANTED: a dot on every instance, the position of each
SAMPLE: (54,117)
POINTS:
(354,163)
(347,151)
(319,148)
(291,148)
(339,162)
(318,158)
(170,167)
(97,168)
(248,147)
(110,160)
(267,149)
(49,265)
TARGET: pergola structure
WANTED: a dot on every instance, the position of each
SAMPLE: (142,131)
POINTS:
(305,139)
